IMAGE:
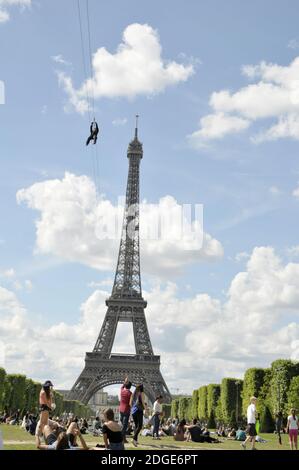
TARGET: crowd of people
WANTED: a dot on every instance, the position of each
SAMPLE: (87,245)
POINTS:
(67,432)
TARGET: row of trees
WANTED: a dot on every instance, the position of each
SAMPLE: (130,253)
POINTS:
(277,389)
(17,392)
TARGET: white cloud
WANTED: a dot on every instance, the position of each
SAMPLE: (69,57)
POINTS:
(74,102)
(9,276)
(119,121)
(59,59)
(5,5)
(259,300)
(274,190)
(28,285)
(242,256)
(104,283)
(136,68)
(293,251)
(275,95)
(293,44)
(256,324)
(4,16)
(216,126)
(71,219)
(296,192)
(8,273)
(287,126)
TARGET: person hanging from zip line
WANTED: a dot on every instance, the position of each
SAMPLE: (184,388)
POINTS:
(94,130)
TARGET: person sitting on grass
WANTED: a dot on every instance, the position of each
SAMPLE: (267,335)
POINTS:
(241,435)
(232,434)
(168,428)
(207,437)
(97,428)
(194,432)
(84,426)
(146,431)
(63,439)
(179,434)
(112,432)
(32,424)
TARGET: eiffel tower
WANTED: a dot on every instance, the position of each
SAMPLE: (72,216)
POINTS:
(126,304)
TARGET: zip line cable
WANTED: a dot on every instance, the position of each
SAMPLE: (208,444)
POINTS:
(90,96)
(92,93)
(90,54)
(83,54)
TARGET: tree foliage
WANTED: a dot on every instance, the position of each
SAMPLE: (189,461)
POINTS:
(17,392)
(213,397)
(166,409)
(175,408)
(293,394)
(230,397)
(195,404)
(266,420)
(203,402)
(282,372)
(185,408)
(276,388)
(2,381)
(252,385)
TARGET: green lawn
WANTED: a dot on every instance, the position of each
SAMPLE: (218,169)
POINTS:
(16,439)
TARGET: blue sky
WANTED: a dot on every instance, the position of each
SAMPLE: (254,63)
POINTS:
(246,187)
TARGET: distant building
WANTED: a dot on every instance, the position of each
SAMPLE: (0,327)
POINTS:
(99,403)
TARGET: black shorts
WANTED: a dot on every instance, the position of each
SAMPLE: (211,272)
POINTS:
(44,408)
(251,431)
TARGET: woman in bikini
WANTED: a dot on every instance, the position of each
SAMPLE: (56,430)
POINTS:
(45,403)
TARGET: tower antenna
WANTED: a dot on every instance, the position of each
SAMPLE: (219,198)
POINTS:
(136,127)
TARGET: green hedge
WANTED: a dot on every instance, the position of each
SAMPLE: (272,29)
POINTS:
(190,415)
(203,402)
(166,409)
(185,408)
(2,381)
(58,398)
(282,372)
(17,392)
(175,408)
(32,390)
(231,397)
(266,421)
(293,394)
(275,386)
(252,386)
(213,397)
(195,404)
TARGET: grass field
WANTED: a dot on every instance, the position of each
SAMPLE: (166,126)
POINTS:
(17,439)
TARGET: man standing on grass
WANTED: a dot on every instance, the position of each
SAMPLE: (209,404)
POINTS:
(251,420)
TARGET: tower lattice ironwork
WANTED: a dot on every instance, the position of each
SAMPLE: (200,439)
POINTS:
(126,304)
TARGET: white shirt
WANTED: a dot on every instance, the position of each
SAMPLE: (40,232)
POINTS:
(293,423)
(251,414)
(157,407)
